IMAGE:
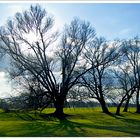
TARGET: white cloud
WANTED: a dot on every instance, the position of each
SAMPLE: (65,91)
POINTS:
(5,87)
(2,75)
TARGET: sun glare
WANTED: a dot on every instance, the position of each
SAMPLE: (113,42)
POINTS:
(31,37)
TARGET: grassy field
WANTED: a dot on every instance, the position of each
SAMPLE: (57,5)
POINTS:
(82,122)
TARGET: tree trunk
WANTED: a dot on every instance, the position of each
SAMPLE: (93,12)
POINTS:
(126,105)
(118,109)
(104,106)
(102,100)
(120,104)
(128,99)
(59,105)
(137,102)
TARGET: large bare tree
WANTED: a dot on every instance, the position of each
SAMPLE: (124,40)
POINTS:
(56,72)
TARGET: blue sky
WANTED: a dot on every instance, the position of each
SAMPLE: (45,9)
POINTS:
(111,21)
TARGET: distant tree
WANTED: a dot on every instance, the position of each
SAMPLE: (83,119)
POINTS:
(33,94)
(4,105)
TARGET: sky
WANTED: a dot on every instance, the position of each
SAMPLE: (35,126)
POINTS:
(112,21)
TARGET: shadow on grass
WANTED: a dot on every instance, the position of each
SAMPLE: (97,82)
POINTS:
(67,128)
(74,129)
(68,125)
(79,129)
(130,121)
(50,126)
(52,116)
(25,116)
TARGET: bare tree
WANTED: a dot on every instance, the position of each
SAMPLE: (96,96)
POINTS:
(32,57)
(76,36)
(125,86)
(131,49)
(96,79)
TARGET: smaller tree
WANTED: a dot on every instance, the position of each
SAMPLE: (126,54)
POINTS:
(131,50)
(101,55)
(125,86)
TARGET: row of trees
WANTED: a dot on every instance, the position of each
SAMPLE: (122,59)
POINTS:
(52,67)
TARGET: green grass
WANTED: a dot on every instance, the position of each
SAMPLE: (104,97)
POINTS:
(81,122)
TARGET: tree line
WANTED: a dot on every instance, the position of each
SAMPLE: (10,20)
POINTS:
(53,67)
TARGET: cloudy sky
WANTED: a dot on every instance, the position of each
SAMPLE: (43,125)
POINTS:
(111,21)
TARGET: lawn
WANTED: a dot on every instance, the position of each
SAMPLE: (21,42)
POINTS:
(82,122)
